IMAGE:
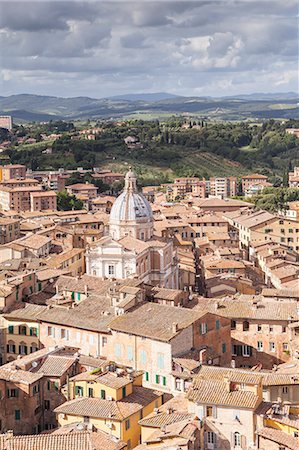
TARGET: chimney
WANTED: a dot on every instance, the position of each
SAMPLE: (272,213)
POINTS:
(175,327)
(9,434)
(201,353)
(227,384)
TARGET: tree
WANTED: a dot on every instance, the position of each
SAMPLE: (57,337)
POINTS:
(67,202)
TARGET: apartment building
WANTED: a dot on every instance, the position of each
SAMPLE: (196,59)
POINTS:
(112,402)
(83,189)
(9,230)
(12,171)
(261,226)
(226,401)
(184,187)
(249,181)
(294,178)
(150,335)
(43,201)
(17,199)
(19,182)
(108,177)
(261,329)
(222,187)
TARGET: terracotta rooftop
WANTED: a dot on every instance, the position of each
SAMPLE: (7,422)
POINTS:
(214,392)
(250,307)
(160,419)
(278,436)
(36,241)
(75,440)
(155,321)
(108,409)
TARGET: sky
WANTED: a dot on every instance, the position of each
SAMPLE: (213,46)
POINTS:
(105,48)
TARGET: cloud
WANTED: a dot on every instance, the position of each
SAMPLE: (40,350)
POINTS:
(101,48)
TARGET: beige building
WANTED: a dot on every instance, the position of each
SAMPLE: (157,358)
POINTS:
(9,230)
(253,179)
(43,201)
(12,171)
(222,187)
(83,189)
(294,178)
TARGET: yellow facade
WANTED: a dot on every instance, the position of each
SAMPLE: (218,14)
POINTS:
(99,390)
(20,333)
(120,429)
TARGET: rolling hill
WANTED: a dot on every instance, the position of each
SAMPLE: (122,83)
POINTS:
(27,107)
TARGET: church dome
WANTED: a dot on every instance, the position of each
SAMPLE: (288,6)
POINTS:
(130,204)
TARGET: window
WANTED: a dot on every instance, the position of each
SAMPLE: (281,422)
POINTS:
(22,330)
(90,392)
(130,352)
(242,386)
(283,329)
(203,328)
(10,329)
(143,357)
(47,405)
(296,434)
(272,346)
(160,361)
(23,349)
(237,439)
(209,411)
(124,392)
(285,389)
(17,414)
(259,346)
(247,351)
(35,389)
(223,348)
(146,376)
(117,350)
(127,424)
(270,328)
(33,331)
(11,348)
(211,437)
(245,325)
(51,331)
(79,391)
(217,324)
(12,393)
(233,324)
(39,286)
(104,341)
(111,270)
(103,394)
(33,348)
(285,346)
(259,328)
(157,379)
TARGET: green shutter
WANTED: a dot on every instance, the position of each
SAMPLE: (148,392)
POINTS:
(17,414)
(146,376)
(39,286)
(103,394)
(164,381)
(157,379)
(11,329)
(124,392)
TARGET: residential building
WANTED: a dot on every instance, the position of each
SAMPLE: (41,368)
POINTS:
(251,180)
(260,329)
(83,189)
(43,201)
(6,122)
(150,335)
(9,230)
(222,187)
(294,178)
(112,402)
(12,171)
(226,403)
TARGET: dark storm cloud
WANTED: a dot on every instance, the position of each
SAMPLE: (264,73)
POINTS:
(101,48)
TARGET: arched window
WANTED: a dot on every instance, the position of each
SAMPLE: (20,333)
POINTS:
(237,439)
(245,325)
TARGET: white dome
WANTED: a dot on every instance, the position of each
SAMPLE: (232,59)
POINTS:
(131,206)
